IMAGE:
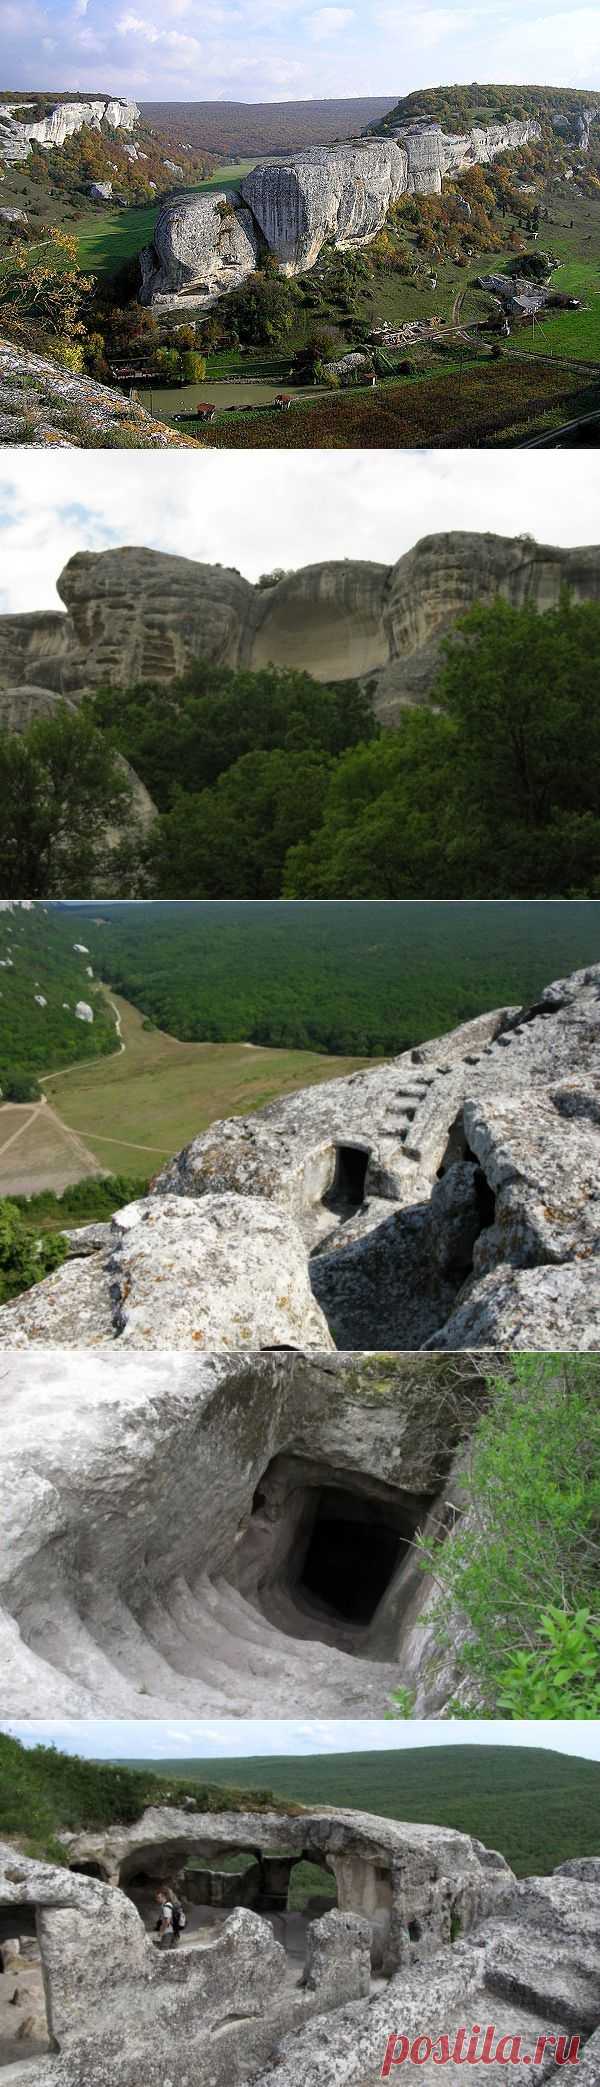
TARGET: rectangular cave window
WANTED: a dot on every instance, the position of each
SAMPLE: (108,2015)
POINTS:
(353,1550)
(347,1190)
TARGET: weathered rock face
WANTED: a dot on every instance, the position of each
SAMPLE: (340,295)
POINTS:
(18,135)
(135,614)
(344,194)
(434,1205)
(201,246)
(206,244)
(20,707)
(159,1517)
(201,1273)
(438,581)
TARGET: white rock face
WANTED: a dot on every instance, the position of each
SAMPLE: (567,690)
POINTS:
(201,244)
(226,2009)
(17,137)
(344,194)
(84,1012)
(101,191)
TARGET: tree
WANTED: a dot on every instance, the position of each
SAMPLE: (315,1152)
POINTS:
(262,312)
(184,736)
(24,1257)
(231,841)
(41,285)
(61,788)
(19,1087)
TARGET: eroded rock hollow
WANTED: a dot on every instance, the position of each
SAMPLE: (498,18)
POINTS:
(236,1536)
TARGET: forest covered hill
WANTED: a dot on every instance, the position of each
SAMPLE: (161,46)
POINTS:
(238,129)
(460,107)
(43,978)
(537,1807)
(366,978)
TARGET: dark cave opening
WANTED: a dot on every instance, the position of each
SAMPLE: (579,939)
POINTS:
(352,1552)
(347,1190)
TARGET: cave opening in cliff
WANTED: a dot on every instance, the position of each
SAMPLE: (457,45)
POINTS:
(353,1549)
(347,1191)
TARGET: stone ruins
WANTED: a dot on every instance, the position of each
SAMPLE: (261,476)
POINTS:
(445,1200)
(140,615)
(431,1930)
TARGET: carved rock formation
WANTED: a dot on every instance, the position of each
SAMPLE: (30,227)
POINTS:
(225,2009)
(135,614)
(433,1207)
(294,1483)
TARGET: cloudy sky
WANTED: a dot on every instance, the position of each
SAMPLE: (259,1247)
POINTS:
(273,50)
(274,508)
(237,1738)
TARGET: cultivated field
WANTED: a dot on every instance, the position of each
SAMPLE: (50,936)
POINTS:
(133,1110)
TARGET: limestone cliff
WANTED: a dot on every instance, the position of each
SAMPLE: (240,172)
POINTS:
(296,204)
(135,614)
(18,134)
(200,244)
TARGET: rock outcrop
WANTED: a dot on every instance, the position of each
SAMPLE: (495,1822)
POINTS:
(201,244)
(19,133)
(135,614)
(48,408)
(433,1207)
(223,2009)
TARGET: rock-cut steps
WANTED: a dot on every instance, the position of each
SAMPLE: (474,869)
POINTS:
(206,1648)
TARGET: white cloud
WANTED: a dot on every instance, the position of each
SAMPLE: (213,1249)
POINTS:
(329,21)
(276,508)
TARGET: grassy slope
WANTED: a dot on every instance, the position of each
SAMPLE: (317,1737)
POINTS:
(538,1808)
(105,238)
(159,1093)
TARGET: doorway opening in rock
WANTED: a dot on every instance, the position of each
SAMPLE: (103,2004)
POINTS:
(352,1551)
(24,2028)
(347,1191)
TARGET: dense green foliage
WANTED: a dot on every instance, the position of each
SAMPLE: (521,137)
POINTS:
(357,979)
(499,792)
(43,1792)
(184,736)
(522,1572)
(60,787)
(268,782)
(81,1202)
(25,1255)
(537,1807)
(37,957)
